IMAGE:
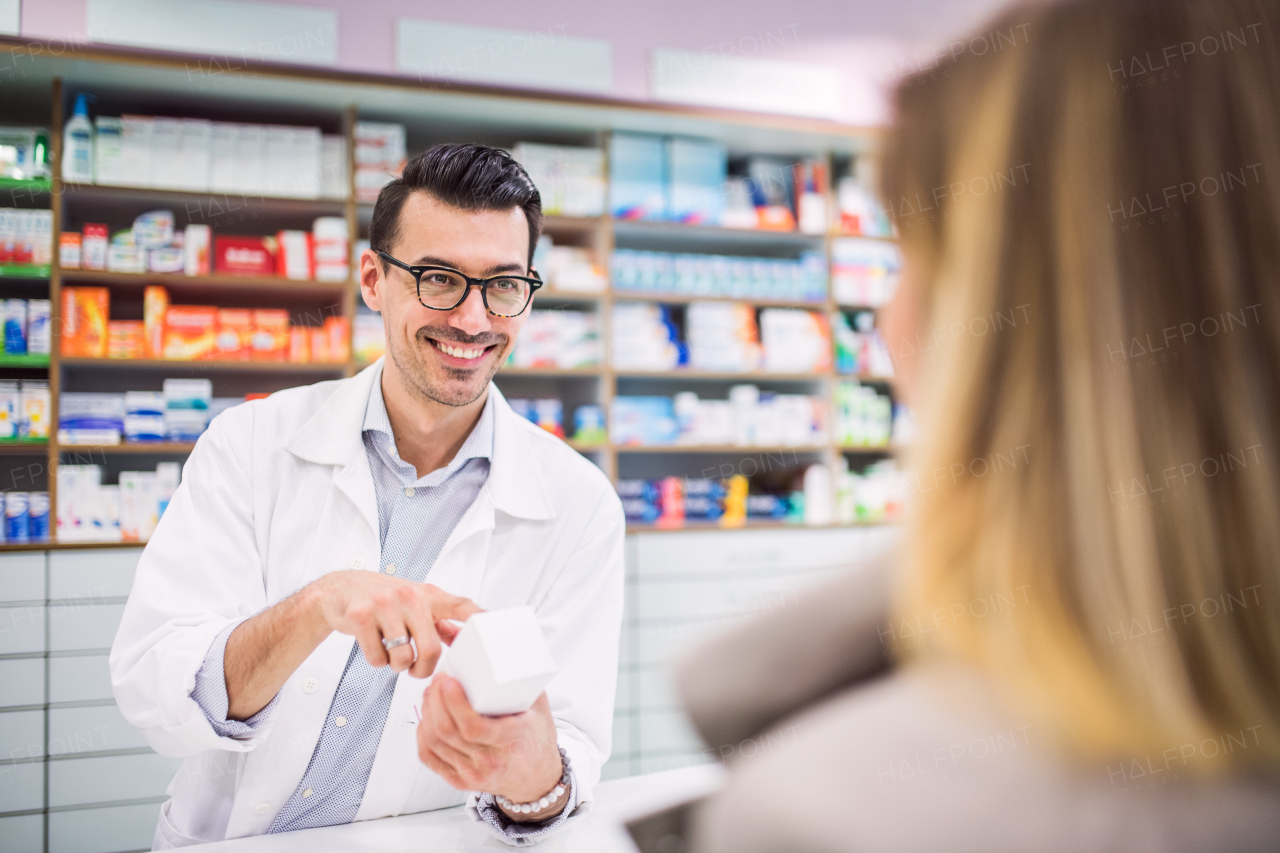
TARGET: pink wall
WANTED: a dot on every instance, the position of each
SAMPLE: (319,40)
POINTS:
(864,39)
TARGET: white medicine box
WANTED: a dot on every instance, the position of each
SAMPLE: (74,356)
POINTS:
(501,659)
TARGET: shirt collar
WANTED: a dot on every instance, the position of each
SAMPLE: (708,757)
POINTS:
(478,445)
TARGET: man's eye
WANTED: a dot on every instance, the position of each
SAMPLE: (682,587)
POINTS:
(436,278)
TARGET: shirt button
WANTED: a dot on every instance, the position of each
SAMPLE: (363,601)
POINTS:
(340,722)
(262,808)
(309,685)
(390,569)
(306,793)
(408,493)
(357,564)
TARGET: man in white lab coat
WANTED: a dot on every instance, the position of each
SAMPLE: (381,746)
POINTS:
(290,607)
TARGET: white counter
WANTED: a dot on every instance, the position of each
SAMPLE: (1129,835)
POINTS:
(450,830)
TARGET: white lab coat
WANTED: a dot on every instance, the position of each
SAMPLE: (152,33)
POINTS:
(278,492)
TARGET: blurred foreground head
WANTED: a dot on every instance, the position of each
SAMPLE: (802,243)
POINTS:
(1091,221)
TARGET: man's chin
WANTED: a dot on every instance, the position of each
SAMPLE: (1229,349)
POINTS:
(453,386)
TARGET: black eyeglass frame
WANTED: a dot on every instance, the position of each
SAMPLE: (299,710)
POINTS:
(533,280)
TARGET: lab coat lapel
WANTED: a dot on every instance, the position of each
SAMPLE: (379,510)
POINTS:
(332,436)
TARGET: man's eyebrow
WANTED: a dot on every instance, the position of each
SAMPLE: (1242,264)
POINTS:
(496,269)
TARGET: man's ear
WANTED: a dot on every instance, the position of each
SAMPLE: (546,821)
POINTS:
(371,279)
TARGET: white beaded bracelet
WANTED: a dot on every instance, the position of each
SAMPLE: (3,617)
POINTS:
(529,808)
(546,802)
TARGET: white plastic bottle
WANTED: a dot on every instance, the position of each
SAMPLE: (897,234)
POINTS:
(77,145)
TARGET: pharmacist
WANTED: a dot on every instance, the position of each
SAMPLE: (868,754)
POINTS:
(321,537)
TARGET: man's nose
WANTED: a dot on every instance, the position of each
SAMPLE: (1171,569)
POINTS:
(471,317)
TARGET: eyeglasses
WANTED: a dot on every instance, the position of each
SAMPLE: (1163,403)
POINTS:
(443,289)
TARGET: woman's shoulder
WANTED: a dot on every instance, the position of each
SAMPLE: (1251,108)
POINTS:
(929,759)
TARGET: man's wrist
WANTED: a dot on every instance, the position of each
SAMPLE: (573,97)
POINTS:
(543,807)
(311,604)
(557,800)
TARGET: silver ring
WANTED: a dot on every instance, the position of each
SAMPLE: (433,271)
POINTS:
(391,644)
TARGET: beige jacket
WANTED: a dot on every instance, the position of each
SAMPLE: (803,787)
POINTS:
(828,750)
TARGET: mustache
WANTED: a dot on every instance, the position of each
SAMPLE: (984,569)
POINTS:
(453,336)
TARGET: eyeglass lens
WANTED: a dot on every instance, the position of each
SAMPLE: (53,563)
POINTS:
(443,289)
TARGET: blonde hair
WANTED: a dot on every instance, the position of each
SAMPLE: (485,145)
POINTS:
(1079,130)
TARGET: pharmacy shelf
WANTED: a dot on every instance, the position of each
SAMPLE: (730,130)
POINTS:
(161,82)
(257,283)
(24,271)
(679,373)
(211,366)
(209,203)
(852,306)
(28,546)
(24,448)
(685,298)
(632,528)
(572,223)
(32,185)
(165,447)
(550,371)
(624,228)
(867,449)
(27,360)
(866,378)
(65,546)
(546,294)
(750,524)
(735,449)
(840,235)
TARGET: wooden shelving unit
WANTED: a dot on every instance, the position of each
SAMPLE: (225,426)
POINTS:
(178,281)
(266,93)
(203,366)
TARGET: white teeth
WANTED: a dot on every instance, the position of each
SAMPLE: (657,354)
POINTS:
(458,352)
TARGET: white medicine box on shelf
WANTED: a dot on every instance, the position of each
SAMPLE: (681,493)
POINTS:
(501,659)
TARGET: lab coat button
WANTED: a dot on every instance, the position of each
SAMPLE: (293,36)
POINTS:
(262,808)
(357,564)
(390,569)
(340,722)
(309,685)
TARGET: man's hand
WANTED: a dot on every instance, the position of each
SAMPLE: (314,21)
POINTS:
(374,606)
(515,756)
(264,651)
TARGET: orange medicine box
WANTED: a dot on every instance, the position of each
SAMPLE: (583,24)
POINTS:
(125,339)
(190,332)
(319,344)
(270,340)
(235,330)
(339,331)
(84,321)
(299,344)
(155,302)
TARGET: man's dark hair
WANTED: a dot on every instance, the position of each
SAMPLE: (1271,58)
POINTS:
(465,175)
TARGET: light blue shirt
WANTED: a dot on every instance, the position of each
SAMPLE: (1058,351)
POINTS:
(416,515)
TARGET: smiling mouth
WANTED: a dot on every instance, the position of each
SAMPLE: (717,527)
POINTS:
(461,352)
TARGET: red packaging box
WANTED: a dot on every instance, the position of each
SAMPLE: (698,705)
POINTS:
(235,329)
(125,339)
(244,255)
(270,340)
(339,331)
(299,345)
(190,332)
(319,344)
